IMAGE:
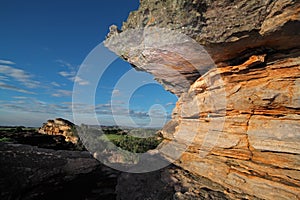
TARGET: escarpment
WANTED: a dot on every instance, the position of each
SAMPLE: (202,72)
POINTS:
(235,66)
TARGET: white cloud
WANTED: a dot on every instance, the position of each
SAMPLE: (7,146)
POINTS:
(116,92)
(64,63)
(62,93)
(14,88)
(55,84)
(19,75)
(6,62)
(170,104)
(71,73)
(80,81)
(20,97)
(3,78)
(71,76)
(67,74)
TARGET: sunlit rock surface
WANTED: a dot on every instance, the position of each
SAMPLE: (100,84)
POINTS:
(62,127)
(237,120)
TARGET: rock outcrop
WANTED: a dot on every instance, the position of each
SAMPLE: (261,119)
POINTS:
(237,120)
(29,172)
(62,127)
(33,138)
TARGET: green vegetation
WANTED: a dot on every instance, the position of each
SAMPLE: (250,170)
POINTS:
(133,144)
(135,140)
(74,131)
(5,139)
(17,128)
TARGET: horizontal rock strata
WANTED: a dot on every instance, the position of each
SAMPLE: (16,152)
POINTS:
(237,120)
(62,127)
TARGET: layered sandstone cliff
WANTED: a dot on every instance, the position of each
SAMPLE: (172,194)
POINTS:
(62,127)
(237,120)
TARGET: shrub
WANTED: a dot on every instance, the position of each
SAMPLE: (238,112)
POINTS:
(134,144)
(5,139)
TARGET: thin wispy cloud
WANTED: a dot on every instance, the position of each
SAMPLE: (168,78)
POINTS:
(71,76)
(116,92)
(79,80)
(71,73)
(64,63)
(170,104)
(6,62)
(62,93)
(67,74)
(55,84)
(14,88)
(19,97)
(19,75)
(30,105)
(107,109)
(3,78)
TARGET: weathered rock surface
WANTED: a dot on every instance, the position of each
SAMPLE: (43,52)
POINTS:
(33,138)
(170,183)
(237,122)
(62,127)
(28,172)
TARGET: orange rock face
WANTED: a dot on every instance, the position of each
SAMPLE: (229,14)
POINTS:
(238,123)
(60,127)
(255,148)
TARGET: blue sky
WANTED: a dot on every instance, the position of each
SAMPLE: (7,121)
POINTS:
(42,46)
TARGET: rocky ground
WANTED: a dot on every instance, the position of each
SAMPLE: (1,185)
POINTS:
(38,166)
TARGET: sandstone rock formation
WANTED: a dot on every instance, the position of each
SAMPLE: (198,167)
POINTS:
(237,120)
(28,172)
(33,138)
(62,127)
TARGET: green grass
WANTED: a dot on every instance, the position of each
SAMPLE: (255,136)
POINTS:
(30,129)
(18,128)
(6,129)
(112,137)
(5,139)
(132,144)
